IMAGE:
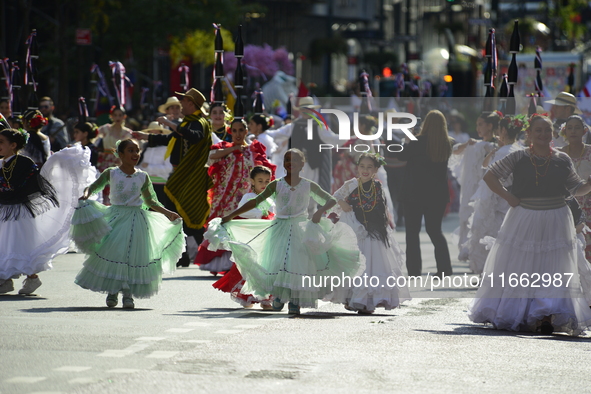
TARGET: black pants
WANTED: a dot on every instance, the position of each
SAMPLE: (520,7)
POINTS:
(433,213)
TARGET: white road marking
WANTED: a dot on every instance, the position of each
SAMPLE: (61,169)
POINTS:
(180,330)
(47,392)
(26,379)
(127,351)
(197,341)
(161,354)
(72,368)
(81,380)
(123,370)
(228,331)
(247,326)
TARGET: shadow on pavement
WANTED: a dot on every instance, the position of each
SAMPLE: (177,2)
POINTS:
(81,309)
(19,297)
(489,331)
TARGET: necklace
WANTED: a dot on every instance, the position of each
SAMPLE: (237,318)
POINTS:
(370,194)
(7,170)
(577,161)
(535,164)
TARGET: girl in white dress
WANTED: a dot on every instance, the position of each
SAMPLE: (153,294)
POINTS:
(466,167)
(362,206)
(128,247)
(489,208)
(289,256)
(35,207)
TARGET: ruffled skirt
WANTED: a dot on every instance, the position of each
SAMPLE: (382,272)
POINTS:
(130,250)
(489,212)
(383,265)
(532,272)
(30,244)
(288,258)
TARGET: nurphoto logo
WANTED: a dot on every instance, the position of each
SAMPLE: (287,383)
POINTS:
(344,124)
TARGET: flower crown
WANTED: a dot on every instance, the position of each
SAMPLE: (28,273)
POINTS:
(37,121)
(518,122)
(498,113)
(24,134)
(379,158)
(536,114)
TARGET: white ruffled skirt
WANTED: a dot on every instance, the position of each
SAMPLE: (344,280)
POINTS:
(531,272)
(383,265)
(30,244)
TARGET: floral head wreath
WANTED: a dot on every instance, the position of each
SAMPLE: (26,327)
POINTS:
(545,114)
(116,153)
(379,158)
(24,133)
(37,121)
(518,122)
(498,113)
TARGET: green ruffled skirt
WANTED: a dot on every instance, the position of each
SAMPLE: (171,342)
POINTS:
(288,258)
(128,248)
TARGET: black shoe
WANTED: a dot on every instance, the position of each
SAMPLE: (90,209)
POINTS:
(547,328)
(184,261)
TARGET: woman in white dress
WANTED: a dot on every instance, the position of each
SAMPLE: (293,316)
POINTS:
(490,208)
(466,167)
(530,278)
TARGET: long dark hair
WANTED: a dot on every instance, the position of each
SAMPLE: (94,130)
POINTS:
(35,139)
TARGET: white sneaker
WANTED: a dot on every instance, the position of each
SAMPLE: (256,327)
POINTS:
(7,286)
(128,303)
(30,285)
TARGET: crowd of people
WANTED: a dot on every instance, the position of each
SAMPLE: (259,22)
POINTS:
(142,203)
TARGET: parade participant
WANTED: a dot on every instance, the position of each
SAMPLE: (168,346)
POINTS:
(128,247)
(55,128)
(153,162)
(457,126)
(346,167)
(563,106)
(5,108)
(318,167)
(288,256)
(229,172)
(258,126)
(84,133)
(188,149)
(426,192)
(537,243)
(466,167)
(232,282)
(489,208)
(35,208)
(172,109)
(362,204)
(573,131)
(38,147)
(109,134)
(219,116)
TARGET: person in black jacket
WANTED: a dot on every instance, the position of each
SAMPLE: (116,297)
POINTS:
(425,192)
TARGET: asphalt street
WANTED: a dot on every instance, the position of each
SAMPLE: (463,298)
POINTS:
(191,338)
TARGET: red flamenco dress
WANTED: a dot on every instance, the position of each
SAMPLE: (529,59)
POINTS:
(230,176)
